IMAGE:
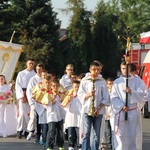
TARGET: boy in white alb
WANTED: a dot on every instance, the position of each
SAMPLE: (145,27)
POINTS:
(33,115)
(72,105)
(93,94)
(55,117)
(22,81)
(126,131)
(41,93)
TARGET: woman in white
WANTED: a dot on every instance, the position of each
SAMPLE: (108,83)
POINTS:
(8,120)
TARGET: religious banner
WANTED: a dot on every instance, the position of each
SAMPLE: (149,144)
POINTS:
(9,55)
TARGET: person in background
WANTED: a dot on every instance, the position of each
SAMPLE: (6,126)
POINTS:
(22,81)
(80,76)
(65,81)
(109,119)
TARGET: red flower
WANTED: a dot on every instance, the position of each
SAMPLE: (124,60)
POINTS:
(8,93)
(1,98)
(42,89)
(49,92)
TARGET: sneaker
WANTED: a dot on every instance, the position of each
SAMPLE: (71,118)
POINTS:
(44,145)
(41,141)
(49,149)
(29,136)
(70,148)
(61,148)
(37,139)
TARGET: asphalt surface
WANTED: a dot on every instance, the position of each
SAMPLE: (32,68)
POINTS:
(13,143)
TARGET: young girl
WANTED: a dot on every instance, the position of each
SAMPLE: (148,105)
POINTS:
(8,120)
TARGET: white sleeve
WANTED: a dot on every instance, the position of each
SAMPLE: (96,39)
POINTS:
(19,91)
(29,92)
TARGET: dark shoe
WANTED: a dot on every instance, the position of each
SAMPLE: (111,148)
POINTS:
(19,134)
(26,134)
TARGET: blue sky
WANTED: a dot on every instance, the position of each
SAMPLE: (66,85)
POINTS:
(58,4)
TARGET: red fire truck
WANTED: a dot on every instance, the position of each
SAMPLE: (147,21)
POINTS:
(140,56)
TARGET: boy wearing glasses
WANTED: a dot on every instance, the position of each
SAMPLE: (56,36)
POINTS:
(65,81)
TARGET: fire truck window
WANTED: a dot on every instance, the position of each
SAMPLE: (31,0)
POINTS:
(141,71)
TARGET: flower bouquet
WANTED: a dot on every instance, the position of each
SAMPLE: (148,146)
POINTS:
(6,97)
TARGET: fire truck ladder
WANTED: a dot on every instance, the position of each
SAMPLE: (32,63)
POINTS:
(135,57)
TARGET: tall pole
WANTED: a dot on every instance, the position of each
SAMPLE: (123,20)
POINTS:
(12,36)
(128,38)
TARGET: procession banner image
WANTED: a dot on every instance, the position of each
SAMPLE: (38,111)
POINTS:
(9,55)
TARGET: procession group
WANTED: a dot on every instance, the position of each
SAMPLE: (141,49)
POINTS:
(88,107)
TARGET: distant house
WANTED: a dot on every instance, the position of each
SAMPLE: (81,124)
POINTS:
(62,34)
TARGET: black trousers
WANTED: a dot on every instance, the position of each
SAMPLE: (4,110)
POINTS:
(55,131)
(73,136)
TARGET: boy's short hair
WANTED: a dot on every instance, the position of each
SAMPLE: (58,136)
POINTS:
(94,64)
(123,63)
(47,78)
(97,61)
(132,67)
(56,81)
(109,79)
(40,65)
(31,59)
(82,75)
(75,82)
(52,72)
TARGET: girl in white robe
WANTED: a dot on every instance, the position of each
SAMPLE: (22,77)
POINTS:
(8,119)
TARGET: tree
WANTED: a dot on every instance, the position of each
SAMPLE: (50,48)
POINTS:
(79,36)
(104,39)
(133,13)
(39,32)
(6,21)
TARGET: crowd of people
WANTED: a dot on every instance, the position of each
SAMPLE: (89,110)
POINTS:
(86,110)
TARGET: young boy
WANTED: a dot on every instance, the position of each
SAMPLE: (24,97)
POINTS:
(55,116)
(72,106)
(109,119)
(41,94)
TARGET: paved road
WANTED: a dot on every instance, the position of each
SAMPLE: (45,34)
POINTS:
(146,134)
(12,143)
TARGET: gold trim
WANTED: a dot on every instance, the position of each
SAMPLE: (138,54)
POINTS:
(11,48)
(5,57)
(12,77)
